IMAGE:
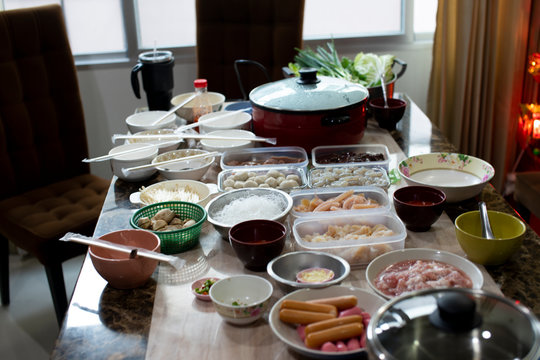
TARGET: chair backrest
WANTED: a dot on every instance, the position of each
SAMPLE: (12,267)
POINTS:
(42,128)
(266,31)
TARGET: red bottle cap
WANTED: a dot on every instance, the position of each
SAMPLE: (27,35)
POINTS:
(200,83)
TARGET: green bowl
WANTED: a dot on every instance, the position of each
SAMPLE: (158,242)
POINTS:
(507,229)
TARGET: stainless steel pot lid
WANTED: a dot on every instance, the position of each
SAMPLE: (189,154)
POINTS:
(160,56)
(308,93)
(453,324)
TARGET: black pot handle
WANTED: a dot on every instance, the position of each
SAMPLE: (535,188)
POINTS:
(135,79)
(403,67)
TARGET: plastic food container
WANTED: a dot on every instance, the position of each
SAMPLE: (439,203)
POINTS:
(261,177)
(260,157)
(355,251)
(319,153)
(342,176)
(369,192)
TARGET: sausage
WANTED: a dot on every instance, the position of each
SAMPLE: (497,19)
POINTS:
(340,302)
(326,324)
(352,311)
(316,339)
(305,306)
(293,316)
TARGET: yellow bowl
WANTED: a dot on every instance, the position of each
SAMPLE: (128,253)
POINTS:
(507,229)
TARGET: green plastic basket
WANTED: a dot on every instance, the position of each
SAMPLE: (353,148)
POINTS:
(175,241)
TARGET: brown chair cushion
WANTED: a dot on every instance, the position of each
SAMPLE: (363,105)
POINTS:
(45,214)
(266,31)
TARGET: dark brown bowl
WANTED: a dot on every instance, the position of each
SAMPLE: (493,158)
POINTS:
(257,242)
(419,206)
(387,118)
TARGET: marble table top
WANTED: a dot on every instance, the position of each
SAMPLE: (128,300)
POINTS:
(103,322)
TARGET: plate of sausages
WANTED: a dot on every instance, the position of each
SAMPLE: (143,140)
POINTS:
(325,323)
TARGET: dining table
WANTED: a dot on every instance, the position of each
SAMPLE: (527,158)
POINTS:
(164,320)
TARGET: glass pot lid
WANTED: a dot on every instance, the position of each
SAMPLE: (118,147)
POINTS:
(453,324)
(307,93)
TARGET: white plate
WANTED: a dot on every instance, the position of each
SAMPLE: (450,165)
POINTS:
(390,258)
(287,333)
(204,190)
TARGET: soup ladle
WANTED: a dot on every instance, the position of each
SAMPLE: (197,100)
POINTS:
(484,219)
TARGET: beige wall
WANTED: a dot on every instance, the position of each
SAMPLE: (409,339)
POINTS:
(108,98)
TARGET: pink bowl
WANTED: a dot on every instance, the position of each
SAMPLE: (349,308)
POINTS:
(116,267)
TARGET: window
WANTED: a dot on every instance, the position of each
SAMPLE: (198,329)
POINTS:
(117,30)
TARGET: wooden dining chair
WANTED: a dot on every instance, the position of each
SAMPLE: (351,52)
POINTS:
(45,189)
(264,31)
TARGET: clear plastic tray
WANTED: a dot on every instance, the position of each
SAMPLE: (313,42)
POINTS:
(369,192)
(355,251)
(264,154)
(348,175)
(241,175)
(320,151)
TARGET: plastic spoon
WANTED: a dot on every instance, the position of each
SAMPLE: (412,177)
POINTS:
(115,137)
(177,263)
(171,111)
(166,162)
(207,121)
(110,156)
(484,219)
(383,86)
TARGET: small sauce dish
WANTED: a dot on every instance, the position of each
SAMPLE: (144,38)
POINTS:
(199,284)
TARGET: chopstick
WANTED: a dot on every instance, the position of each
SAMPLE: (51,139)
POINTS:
(171,111)
(110,156)
(115,137)
(195,124)
(187,158)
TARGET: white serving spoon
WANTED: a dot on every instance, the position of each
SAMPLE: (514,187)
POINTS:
(207,121)
(166,162)
(115,137)
(110,156)
(177,263)
(171,111)
(484,220)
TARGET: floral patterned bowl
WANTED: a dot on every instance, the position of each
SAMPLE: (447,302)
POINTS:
(241,299)
(459,176)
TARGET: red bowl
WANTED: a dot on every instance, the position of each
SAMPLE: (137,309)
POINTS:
(121,271)
(419,206)
(387,117)
(257,242)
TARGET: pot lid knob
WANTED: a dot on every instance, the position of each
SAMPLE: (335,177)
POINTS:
(308,76)
(456,312)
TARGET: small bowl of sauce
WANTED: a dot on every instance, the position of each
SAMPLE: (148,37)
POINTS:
(315,275)
(419,207)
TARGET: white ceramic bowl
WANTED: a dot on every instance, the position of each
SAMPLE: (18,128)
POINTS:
(190,169)
(230,120)
(171,190)
(390,258)
(459,176)
(241,299)
(224,145)
(142,157)
(186,112)
(143,121)
(164,145)
(287,333)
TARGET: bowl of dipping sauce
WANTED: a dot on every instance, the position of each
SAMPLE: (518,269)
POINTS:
(257,242)
(419,206)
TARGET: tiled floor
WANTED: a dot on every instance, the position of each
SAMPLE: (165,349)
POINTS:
(28,328)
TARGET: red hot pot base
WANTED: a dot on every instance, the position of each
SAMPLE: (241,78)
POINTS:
(310,129)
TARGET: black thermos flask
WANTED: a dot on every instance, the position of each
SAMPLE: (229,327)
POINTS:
(157,77)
